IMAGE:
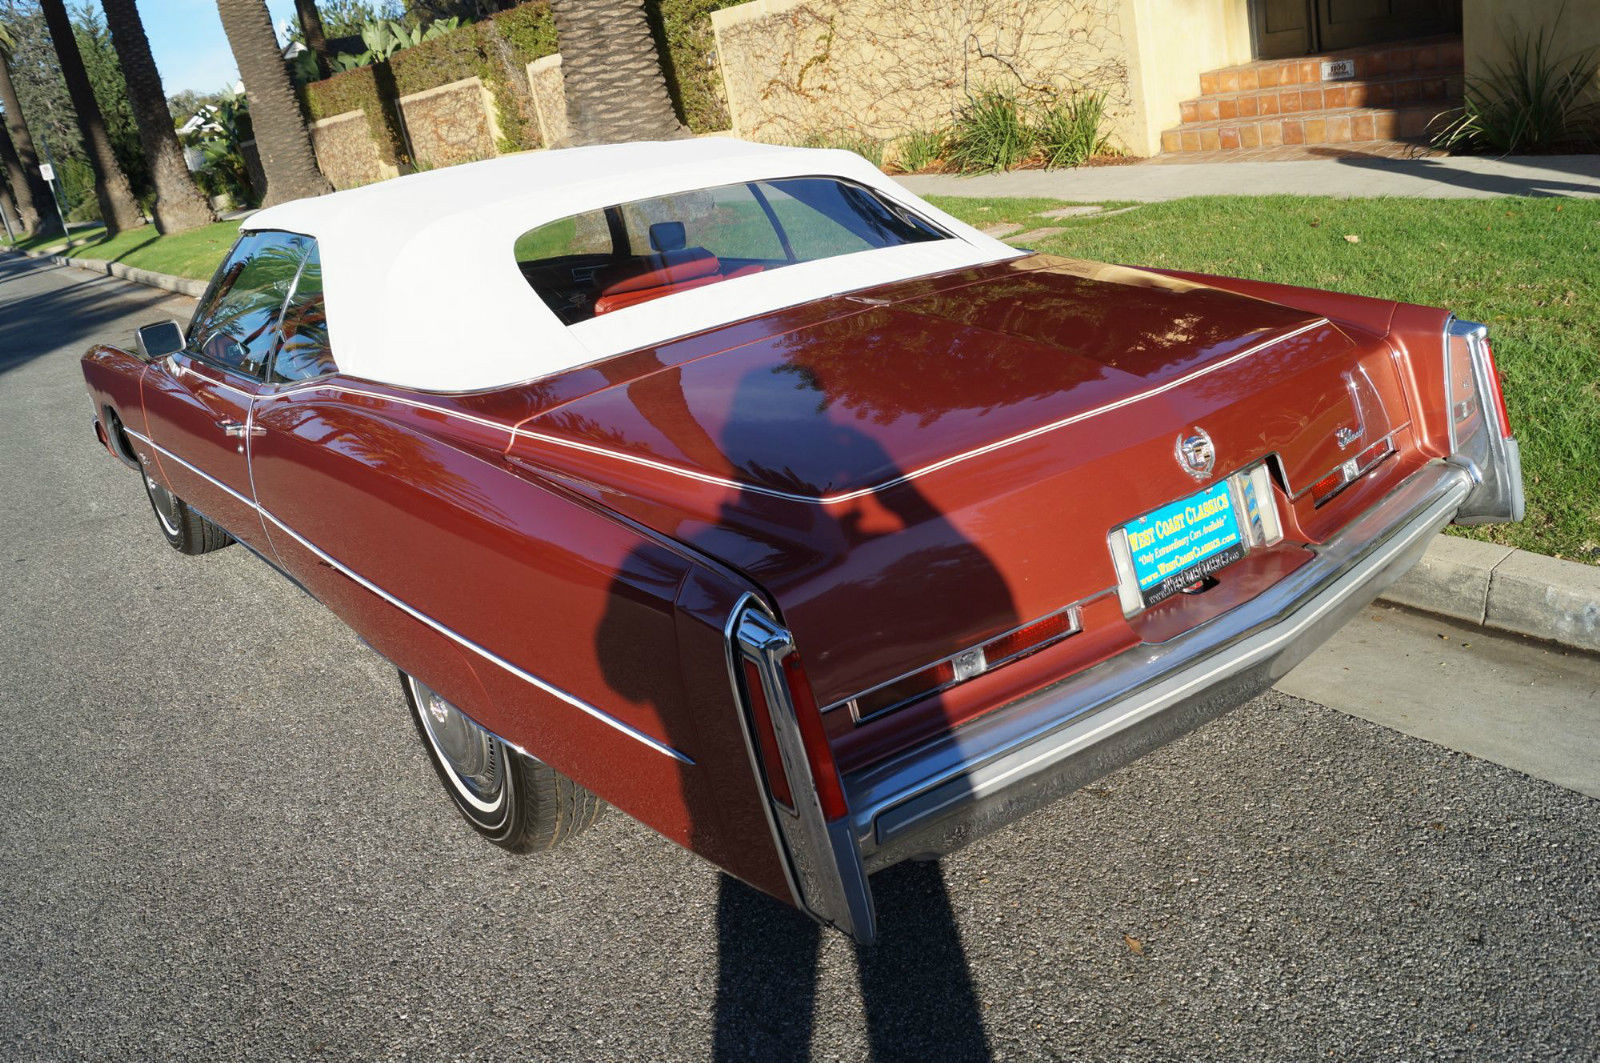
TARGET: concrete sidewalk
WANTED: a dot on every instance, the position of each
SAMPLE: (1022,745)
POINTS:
(1358,176)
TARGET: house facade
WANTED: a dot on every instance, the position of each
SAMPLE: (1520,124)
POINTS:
(1174,72)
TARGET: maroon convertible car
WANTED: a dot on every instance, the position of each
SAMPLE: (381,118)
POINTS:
(738,488)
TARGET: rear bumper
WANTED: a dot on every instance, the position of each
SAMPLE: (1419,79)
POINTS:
(967,783)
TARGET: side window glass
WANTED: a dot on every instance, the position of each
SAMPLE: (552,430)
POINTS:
(304,353)
(238,326)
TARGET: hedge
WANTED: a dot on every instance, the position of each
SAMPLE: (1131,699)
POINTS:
(496,50)
(690,57)
(357,90)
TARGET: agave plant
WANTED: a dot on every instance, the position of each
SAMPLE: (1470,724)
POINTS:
(385,37)
(1532,102)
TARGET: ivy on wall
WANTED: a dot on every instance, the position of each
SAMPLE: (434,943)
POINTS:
(496,50)
(689,56)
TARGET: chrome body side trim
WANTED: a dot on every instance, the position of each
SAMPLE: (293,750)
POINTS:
(417,614)
(1493,460)
(970,781)
(822,862)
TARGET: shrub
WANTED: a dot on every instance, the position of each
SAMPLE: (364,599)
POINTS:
(990,133)
(921,149)
(689,56)
(357,90)
(1532,102)
(867,147)
(496,50)
(1069,130)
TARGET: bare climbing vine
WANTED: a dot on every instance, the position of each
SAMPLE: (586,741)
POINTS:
(851,69)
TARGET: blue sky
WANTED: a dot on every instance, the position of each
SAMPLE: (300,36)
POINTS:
(188,43)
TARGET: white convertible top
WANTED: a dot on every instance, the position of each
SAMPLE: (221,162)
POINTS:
(422,285)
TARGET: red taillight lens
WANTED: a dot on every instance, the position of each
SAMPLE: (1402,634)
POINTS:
(1328,486)
(819,754)
(1351,471)
(1498,395)
(1032,637)
(766,738)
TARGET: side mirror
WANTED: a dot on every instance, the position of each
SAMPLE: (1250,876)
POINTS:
(160,339)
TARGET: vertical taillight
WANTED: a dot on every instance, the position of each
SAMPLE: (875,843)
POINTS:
(819,755)
(804,795)
(766,738)
(1461,385)
(1495,391)
(785,726)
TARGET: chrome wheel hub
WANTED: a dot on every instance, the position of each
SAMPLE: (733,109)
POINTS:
(474,759)
(166,504)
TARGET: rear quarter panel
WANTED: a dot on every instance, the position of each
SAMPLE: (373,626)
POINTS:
(1415,334)
(422,503)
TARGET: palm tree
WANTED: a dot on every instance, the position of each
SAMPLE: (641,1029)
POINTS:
(281,137)
(615,88)
(316,38)
(35,206)
(179,202)
(118,208)
(8,205)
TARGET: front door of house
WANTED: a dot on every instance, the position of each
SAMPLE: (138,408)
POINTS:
(1300,27)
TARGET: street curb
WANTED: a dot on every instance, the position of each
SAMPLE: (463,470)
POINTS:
(149,278)
(1504,589)
(1496,587)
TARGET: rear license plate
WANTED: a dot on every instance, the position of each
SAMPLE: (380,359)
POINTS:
(1183,542)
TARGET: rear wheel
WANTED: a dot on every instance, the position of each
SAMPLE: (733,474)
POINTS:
(508,797)
(186,530)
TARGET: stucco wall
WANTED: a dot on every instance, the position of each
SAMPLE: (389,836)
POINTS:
(452,123)
(549,92)
(797,69)
(1171,43)
(1489,26)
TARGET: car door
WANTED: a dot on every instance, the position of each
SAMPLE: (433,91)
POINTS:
(199,403)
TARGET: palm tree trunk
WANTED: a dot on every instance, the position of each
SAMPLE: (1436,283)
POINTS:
(281,137)
(179,203)
(35,206)
(117,206)
(8,205)
(316,39)
(615,88)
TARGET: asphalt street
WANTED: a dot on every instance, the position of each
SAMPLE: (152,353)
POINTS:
(222,841)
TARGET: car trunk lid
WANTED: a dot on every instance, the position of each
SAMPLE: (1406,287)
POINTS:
(929,466)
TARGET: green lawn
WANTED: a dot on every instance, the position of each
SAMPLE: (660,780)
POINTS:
(189,254)
(1526,267)
(55,243)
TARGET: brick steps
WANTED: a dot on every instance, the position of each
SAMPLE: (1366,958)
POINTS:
(1395,92)
(1436,54)
(1345,125)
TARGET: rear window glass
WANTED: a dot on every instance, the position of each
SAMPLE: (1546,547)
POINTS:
(631,253)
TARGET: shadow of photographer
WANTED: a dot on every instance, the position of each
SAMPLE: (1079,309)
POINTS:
(916,988)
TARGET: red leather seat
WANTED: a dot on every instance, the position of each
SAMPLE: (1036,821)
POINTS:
(665,280)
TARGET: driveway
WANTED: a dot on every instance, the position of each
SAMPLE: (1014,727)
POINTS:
(223,842)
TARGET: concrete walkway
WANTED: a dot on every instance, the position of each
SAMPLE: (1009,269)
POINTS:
(1353,176)
(1528,705)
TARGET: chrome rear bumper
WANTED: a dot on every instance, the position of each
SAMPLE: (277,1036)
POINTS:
(980,776)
